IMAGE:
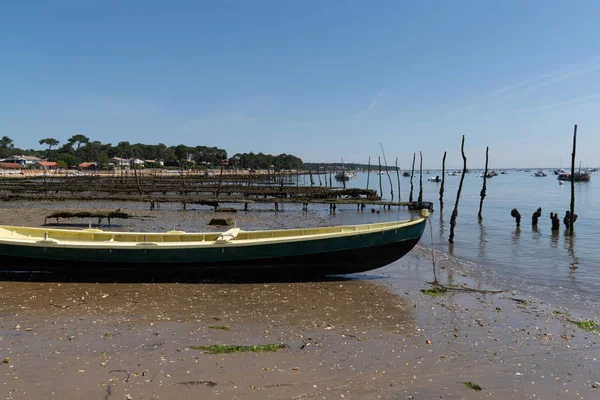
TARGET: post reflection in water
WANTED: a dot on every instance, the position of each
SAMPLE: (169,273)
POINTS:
(570,245)
(450,276)
(516,235)
(536,236)
(482,240)
(554,239)
(441,223)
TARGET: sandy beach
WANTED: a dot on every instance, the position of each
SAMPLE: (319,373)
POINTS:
(375,336)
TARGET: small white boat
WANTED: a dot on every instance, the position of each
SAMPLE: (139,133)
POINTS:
(490,174)
(344,176)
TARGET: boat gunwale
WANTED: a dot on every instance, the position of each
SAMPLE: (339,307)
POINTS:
(340,231)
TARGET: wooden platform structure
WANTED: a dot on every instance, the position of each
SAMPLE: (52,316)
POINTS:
(193,190)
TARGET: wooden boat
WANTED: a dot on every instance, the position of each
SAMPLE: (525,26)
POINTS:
(584,176)
(344,176)
(308,252)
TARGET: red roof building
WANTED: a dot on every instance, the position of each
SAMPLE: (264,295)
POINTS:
(88,165)
(46,165)
(11,166)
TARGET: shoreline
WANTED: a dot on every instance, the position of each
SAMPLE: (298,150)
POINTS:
(375,335)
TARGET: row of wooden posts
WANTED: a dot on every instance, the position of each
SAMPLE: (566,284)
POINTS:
(464,171)
(441,191)
(420,195)
(572,216)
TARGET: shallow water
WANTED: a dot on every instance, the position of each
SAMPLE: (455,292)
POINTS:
(562,269)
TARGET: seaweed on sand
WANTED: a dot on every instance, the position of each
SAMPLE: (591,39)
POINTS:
(221,348)
(223,328)
(589,325)
(435,291)
(472,385)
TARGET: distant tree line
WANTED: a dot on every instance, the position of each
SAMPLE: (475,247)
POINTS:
(265,161)
(79,148)
(345,166)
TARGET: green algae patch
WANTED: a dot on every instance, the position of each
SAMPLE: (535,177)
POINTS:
(226,349)
(472,386)
(222,328)
(434,291)
(589,326)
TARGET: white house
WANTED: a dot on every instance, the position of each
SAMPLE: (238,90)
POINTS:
(23,160)
(154,163)
(120,163)
(126,163)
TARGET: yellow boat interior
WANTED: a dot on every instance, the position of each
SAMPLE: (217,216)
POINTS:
(15,234)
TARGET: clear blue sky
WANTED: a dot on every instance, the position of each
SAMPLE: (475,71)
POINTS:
(324,80)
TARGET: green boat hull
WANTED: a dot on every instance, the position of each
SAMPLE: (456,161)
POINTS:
(338,255)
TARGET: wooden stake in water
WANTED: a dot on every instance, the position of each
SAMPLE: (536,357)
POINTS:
(387,172)
(421,178)
(398,176)
(343,174)
(572,216)
(380,187)
(220,180)
(412,173)
(443,181)
(368,172)
(462,178)
(484,184)
(435,281)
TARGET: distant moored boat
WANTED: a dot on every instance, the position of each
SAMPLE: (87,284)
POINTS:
(584,176)
(344,176)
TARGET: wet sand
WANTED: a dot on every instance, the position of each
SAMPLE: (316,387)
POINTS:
(373,336)
(170,216)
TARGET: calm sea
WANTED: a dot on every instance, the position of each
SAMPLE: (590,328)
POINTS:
(559,269)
